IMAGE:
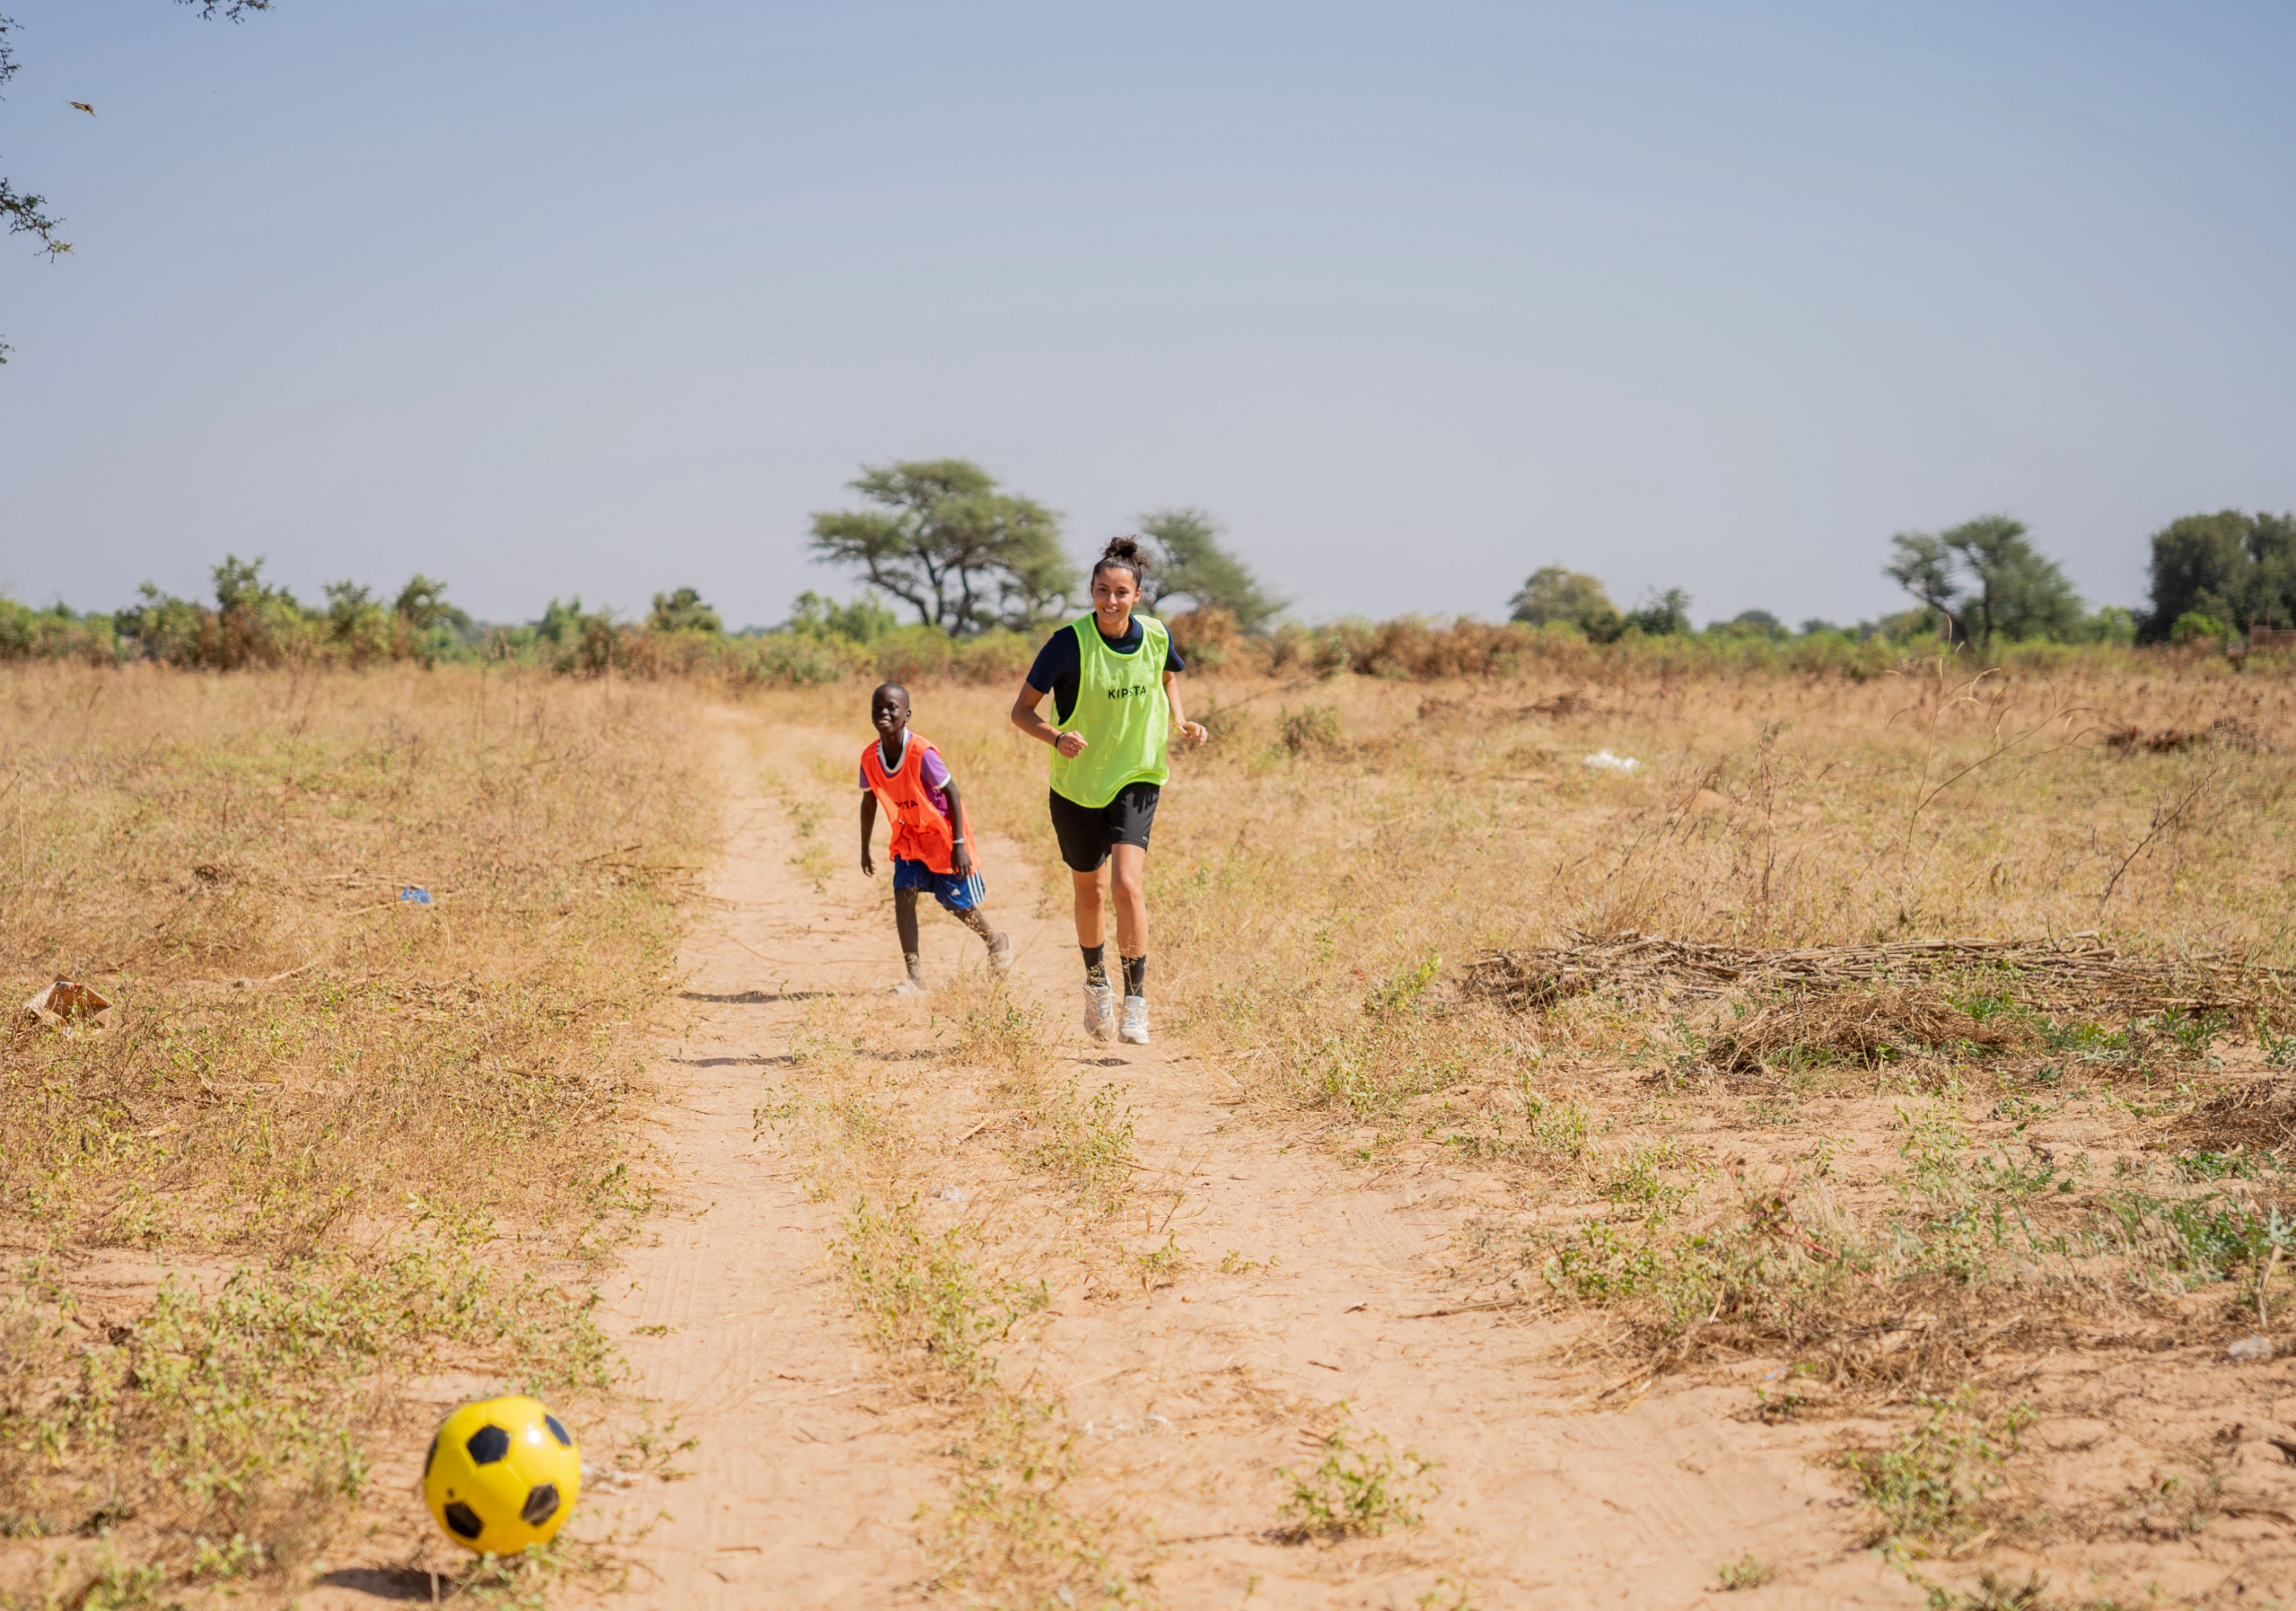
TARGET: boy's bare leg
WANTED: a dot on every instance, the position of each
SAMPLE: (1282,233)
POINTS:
(904,924)
(1000,946)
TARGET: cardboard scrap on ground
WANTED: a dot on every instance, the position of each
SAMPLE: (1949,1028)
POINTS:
(68,1004)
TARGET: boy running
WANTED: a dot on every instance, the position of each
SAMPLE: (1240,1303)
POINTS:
(933,835)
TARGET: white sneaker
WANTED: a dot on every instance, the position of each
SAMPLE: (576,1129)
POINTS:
(911,987)
(1000,953)
(1134,1030)
(1099,1010)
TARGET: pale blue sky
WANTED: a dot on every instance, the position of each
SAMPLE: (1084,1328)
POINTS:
(569,297)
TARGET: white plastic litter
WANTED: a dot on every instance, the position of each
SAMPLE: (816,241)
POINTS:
(2249,1349)
(1602,761)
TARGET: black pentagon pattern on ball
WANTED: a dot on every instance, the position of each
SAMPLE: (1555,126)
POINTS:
(558,1432)
(464,1521)
(488,1444)
(431,1455)
(541,1504)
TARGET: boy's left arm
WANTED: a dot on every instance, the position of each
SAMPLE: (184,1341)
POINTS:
(961,857)
(1195,730)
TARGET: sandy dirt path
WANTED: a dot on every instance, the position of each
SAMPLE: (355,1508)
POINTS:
(1294,1281)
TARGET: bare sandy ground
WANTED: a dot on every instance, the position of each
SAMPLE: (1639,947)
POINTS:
(1295,1283)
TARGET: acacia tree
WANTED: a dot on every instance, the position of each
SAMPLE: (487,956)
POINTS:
(27,213)
(2018,592)
(1986,575)
(945,541)
(1198,566)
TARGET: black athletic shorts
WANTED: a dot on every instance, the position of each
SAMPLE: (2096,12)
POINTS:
(1087,832)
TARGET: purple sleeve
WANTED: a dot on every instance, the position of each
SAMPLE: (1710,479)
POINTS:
(933,771)
(865,779)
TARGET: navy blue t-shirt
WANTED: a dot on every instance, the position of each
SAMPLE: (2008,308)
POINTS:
(1060,669)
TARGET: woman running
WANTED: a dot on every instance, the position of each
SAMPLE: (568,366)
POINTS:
(1110,676)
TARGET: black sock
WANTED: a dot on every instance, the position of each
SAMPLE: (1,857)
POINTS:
(1096,966)
(1135,976)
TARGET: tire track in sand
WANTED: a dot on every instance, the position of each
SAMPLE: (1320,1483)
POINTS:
(804,1484)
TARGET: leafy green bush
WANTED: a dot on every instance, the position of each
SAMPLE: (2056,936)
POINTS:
(55,634)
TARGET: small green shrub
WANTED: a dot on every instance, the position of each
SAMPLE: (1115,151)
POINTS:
(920,1291)
(1088,1143)
(1358,1490)
(1935,1482)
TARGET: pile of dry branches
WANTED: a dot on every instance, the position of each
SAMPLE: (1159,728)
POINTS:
(1866,1028)
(2079,969)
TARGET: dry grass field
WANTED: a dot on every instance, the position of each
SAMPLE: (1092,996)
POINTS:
(330,1141)
(1701,1155)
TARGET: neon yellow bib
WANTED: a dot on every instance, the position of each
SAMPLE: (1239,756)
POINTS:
(1122,713)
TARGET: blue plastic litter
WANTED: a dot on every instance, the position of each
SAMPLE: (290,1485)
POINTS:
(420,897)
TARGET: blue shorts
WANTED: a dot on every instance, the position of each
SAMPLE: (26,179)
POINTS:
(955,894)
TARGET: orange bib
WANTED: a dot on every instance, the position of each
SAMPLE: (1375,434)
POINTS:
(920,832)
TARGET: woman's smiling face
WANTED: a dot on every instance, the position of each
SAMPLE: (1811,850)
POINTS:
(1114,592)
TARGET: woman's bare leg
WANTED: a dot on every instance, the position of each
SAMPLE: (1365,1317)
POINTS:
(1129,865)
(1091,906)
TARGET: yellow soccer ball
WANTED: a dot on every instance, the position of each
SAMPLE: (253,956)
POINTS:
(502,1474)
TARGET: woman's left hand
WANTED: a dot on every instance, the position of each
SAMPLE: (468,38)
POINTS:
(1196,731)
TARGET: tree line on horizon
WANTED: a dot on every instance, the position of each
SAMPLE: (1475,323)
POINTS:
(974,562)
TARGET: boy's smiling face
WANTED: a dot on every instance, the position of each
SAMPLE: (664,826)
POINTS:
(888,712)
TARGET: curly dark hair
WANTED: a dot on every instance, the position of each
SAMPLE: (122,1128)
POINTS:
(1123,554)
